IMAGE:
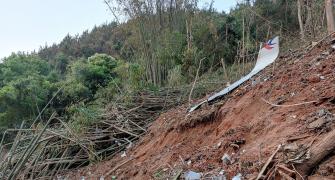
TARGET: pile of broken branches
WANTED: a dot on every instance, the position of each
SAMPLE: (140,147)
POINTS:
(45,149)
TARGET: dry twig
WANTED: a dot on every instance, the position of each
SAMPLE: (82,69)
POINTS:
(267,163)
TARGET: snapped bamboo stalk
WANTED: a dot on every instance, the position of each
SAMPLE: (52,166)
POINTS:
(28,151)
(51,152)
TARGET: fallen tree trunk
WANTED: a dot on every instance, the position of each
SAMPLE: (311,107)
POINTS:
(318,152)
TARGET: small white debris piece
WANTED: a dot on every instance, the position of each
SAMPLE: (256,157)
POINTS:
(118,143)
(322,112)
(291,147)
(222,172)
(219,177)
(124,154)
(237,177)
(58,177)
(82,178)
(189,162)
(322,78)
(294,116)
(191,175)
(333,46)
(226,159)
(325,53)
(129,145)
(219,144)
(102,178)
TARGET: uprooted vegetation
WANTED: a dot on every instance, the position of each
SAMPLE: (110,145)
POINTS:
(107,87)
(45,150)
(281,127)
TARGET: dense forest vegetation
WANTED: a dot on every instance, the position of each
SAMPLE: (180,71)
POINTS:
(161,44)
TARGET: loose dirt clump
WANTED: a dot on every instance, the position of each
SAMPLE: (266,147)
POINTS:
(292,106)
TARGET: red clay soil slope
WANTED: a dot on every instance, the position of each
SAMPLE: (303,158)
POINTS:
(291,103)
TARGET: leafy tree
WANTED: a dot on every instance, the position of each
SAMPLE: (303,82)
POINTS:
(85,77)
(26,86)
(160,44)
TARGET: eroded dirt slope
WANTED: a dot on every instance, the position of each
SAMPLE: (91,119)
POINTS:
(247,126)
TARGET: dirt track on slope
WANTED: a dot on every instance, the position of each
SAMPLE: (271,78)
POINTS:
(244,126)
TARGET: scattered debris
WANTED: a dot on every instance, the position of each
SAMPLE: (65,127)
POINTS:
(297,156)
(178,175)
(191,175)
(267,163)
(123,154)
(325,53)
(237,177)
(219,145)
(291,147)
(239,141)
(226,159)
(320,119)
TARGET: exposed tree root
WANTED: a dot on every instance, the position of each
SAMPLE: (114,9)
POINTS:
(318,152)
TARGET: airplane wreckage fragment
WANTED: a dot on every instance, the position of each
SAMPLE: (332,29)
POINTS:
(266,56)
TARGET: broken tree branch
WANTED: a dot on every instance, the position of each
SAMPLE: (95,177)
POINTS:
(194,82)
(117,167)
(267,163)
(289,105)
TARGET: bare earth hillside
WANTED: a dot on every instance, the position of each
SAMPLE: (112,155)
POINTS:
(291,103)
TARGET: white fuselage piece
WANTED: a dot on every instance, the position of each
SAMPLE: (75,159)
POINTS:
(267,55)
